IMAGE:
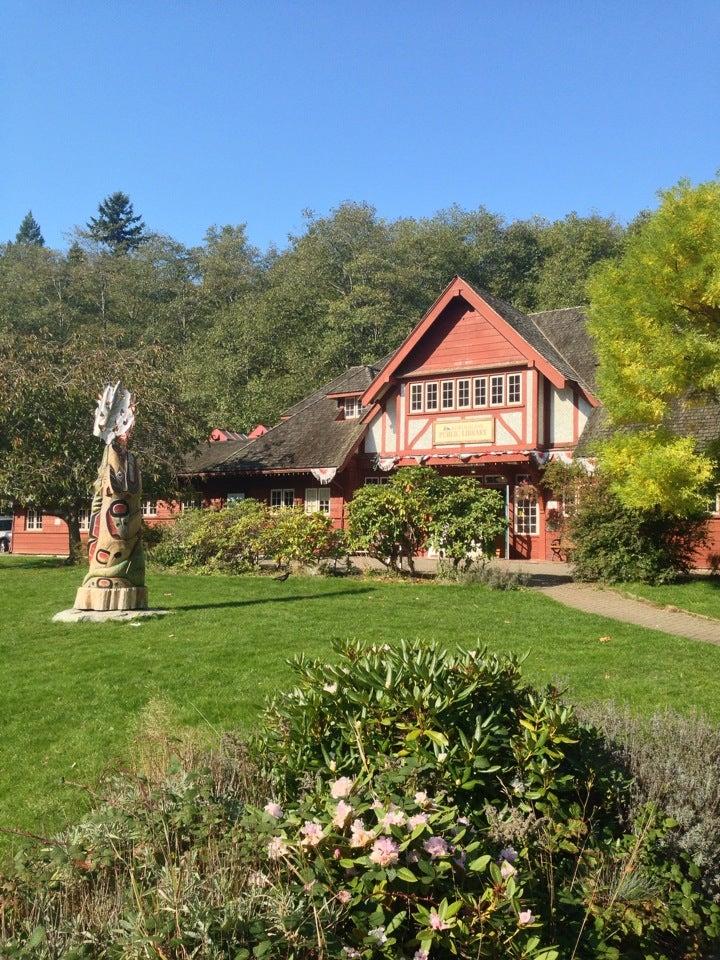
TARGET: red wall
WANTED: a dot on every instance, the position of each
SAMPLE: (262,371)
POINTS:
(458,340)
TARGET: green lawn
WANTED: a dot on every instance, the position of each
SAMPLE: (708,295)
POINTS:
(71,694)
(699,595)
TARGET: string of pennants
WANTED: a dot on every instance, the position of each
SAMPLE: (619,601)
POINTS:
(541,457)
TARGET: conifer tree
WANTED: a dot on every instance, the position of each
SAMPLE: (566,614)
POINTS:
(29,232)
(116,225)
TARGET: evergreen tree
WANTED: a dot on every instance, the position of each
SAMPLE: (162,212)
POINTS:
(29,232)
(116,224)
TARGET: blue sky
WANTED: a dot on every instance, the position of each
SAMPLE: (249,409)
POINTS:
(207,111)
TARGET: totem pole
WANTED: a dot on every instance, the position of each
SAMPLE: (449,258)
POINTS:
(116,578)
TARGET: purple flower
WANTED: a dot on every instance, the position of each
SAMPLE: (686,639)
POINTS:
(436,847)
(509,853)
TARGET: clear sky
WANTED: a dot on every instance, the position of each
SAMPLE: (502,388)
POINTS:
(222,111)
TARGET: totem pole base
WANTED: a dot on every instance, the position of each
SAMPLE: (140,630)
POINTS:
(111,598)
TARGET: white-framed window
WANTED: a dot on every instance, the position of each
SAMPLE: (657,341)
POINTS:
(317,500)
(149,508)
(526,509)
(514,388)
(33,519)
(235,496)
(463,393)
(352,408)
(282,497)
(714,504)
(375,481)
(480,392)
(84,518)
(416,397)
(448,394)
(497,390)
(431,396)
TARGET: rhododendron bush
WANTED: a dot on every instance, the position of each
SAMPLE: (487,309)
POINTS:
(429,804)
(402,802)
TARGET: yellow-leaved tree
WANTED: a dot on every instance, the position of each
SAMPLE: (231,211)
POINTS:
(655,316)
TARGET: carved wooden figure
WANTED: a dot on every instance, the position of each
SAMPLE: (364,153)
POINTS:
(116,578)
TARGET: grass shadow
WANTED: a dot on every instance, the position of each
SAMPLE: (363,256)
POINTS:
(255,601)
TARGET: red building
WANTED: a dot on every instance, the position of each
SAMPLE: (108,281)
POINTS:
(477,388)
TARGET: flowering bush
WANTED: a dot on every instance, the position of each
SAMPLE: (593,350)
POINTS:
(430,804)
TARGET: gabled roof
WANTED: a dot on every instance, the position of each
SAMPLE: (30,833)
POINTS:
(353,380)
(312,438)
(567,330)
(521,330)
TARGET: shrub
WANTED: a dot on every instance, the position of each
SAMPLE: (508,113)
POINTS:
(616,544)
(238,536)
(404,802)
(675,763)
(418,508)
(295,537)
(433,804)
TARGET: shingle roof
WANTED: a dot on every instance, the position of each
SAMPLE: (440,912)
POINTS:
(353,380)
(533,333)
(567,330)
(684,418)
(315,439)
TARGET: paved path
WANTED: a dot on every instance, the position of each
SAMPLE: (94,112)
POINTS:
(608,603)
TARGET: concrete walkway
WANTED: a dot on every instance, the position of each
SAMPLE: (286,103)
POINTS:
(608,603)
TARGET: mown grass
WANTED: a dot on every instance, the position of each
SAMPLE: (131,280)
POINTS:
(699,595)
(71,695)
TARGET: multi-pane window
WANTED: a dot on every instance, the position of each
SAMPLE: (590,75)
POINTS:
(526,508)
(284,497)
(317,500)
(233,497)
(513,387)
(497,390)
(33,519)
(431,396)
(463,393)
(375,481)
(149,508)
(352,408)
(448,394)
(480,391)
(416,397)
(85,518)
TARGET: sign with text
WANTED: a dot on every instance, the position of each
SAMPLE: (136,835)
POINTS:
(471,430)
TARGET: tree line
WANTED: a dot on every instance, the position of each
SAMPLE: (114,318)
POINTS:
(249,332)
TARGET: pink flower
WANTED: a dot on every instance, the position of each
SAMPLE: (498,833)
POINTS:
(393,818)
(437,922)
(337,853)
(360,836)
(436,847)
(274,809)
(384,852)
(312,833)
(344,896)
(277,848)
(419,820)
(507,870)
(421,798)
(342,813)
(525,917)
(421,955)
(341,788)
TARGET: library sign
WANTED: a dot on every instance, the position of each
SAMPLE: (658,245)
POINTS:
(471,430)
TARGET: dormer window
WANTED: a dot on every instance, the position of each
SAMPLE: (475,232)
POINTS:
(351,406)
